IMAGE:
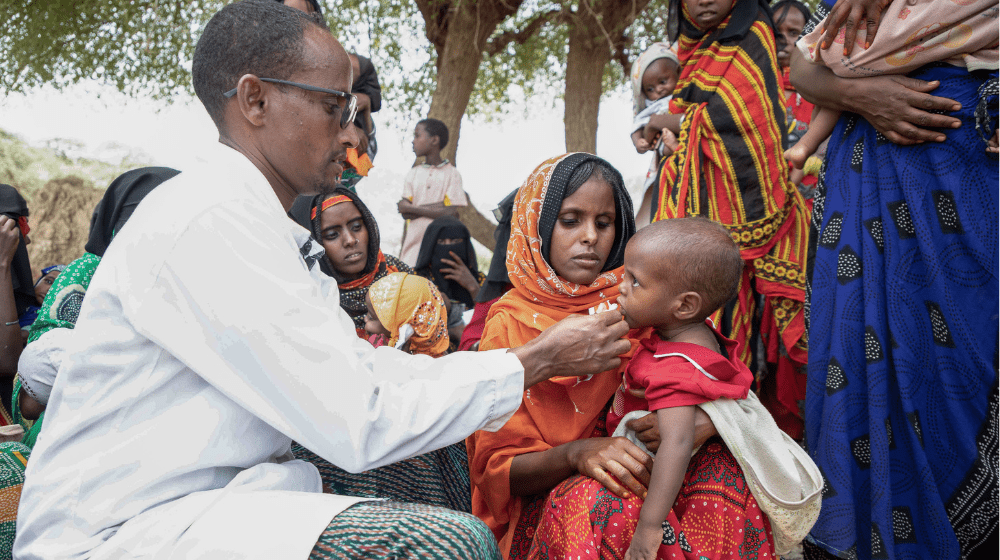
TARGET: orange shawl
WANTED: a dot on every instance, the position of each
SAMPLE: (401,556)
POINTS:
(553,412)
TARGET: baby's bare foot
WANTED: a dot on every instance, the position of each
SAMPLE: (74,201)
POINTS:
(798,154)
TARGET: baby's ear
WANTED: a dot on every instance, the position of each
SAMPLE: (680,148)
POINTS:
(688,305)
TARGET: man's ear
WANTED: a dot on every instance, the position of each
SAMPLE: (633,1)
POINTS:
(253,99)
(688,305)
(436,142)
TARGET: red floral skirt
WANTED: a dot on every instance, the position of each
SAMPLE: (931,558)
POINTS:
(715,517)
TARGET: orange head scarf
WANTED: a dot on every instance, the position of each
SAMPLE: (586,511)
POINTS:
(562,409)
(405,299)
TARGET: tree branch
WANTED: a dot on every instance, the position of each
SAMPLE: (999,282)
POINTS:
(500,42)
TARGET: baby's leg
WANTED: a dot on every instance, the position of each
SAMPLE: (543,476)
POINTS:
(820,127)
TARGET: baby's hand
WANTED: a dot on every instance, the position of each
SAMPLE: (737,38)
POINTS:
(642,145)
(645,542)
(993,146)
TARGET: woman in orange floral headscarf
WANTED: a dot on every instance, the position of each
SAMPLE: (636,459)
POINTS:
(559,431)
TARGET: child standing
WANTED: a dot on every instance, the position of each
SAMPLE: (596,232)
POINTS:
(654,75)
(677,273)
(430,190)
(409,311)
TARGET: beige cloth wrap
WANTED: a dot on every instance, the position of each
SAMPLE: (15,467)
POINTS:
(914,33)
(785,481)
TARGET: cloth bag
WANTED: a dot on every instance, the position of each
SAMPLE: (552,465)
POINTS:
(780,474)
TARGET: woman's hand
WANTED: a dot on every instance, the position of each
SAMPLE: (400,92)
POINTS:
(10,238)
(902,108)
(647,430)
(848,13)
(459,272)
(604,458)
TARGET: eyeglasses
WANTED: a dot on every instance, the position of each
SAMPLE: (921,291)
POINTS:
(346,117)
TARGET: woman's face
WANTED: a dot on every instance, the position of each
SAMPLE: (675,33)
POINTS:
(43,285)
(345,239)
(788,32)
(708,13)
(584,232)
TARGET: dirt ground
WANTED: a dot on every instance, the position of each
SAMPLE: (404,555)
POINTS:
(60,221)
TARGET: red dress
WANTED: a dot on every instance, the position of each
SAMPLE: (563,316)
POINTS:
(680,374)
(715,516)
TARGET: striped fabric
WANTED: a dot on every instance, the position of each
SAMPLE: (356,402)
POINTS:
(402,530)
(730,168)
(439,478)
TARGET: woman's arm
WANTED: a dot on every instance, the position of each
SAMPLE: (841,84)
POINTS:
(598,458)
(899,107)
(11,341)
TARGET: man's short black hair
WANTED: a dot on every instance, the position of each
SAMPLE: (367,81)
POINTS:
(314,3)
(259,37)
(437,128)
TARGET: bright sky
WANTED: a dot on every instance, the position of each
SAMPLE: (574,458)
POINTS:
(493,157)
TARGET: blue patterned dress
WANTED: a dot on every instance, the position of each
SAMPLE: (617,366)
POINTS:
(901,406)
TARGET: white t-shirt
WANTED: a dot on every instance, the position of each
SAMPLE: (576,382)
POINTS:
(428,184)
(205,345)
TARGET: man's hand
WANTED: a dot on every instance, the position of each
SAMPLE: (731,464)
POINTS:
(10,238)
(576,346)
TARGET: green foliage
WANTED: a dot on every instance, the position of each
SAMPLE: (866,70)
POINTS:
(28,168)
(144,47)
(140,46)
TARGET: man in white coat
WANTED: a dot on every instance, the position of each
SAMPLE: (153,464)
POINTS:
(209,340)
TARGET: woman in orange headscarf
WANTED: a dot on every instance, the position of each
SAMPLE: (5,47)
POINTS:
(571,221)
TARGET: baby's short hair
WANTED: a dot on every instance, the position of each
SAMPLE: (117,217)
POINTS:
(706,260)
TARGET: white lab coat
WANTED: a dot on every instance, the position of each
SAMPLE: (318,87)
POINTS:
(205,345)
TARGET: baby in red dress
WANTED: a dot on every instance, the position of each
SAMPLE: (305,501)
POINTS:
(677,273)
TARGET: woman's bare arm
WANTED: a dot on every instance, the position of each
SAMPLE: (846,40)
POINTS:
(901,108)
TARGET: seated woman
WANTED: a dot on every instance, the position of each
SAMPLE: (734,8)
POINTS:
(349,235)
(17,297)
(448,259)
(571,221)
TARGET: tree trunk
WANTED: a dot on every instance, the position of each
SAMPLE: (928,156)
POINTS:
(589,53)
(470,26)
(596,32)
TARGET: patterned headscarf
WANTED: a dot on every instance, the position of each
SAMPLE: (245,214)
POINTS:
(536,208)
(655,52)
(307,211)
(405,300)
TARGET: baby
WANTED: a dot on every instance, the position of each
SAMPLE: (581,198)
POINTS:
(654,75)
(923,31)
(677,273)
(409,312)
